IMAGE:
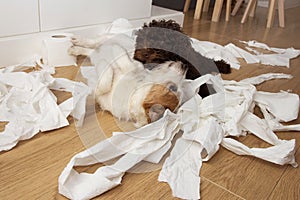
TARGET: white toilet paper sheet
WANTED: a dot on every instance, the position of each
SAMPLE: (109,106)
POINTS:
(230,53)
(133,147)
(205,124)
(29,106)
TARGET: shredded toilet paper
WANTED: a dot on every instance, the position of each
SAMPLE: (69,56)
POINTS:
(278,57)
(205,125)
(30,107)
(230,52)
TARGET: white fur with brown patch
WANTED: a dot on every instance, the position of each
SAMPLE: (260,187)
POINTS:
(128,90)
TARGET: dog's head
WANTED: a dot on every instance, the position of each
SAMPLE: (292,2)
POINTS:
(161,91)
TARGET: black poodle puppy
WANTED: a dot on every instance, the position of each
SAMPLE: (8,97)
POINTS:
(163,40)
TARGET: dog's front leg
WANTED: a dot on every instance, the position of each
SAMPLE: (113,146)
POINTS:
(77,51)
(91,43)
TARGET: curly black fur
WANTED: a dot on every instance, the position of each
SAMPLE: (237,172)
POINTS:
(162,40)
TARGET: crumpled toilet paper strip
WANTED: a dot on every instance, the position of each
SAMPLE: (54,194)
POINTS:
(133,146)
(280,57)
(74,106)
(29,106)
(283,153)
(230,52)
(181,169)
(204,128)
(290,51)
(266,77)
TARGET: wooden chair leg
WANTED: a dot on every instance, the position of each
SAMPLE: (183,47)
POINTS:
(253,9)
(281,13)
(247,11)
(206,5)
(217,10)
(236,7)
(271,12)
(198,9)
(228,10)
(186,5)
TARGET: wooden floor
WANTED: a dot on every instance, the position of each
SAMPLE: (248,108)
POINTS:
(31,170)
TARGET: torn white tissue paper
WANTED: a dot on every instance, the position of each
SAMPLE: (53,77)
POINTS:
(253,50)
(205,125)
(274,59)
(133,146)
(291,52)
(22,66)
(281,57)
(240,53)
(283,153)
(181,169)
(274,123)
(215,51)
(272,100)
(75,105)
(33,62)
(55,50)
(266,77)
(29,106)
(230,52)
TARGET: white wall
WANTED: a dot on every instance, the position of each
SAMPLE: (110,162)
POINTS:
(18,17)
(58,14)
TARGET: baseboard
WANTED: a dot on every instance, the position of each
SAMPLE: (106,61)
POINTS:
(19,49)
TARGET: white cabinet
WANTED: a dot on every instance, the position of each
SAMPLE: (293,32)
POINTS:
(29,16)
(18,17)
(59,14)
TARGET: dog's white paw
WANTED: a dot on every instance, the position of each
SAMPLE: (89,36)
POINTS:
(83,42)
(77,50)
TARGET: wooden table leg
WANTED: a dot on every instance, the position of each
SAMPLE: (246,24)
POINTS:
(281,13)
(228,10)
(247,11)
(271,13)
(217,10)
(236,7)
(186,5)
(198,9)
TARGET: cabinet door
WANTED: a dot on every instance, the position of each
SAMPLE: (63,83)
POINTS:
(18,17)
(59,14)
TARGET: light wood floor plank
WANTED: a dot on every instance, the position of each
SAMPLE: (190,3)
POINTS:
(288,186)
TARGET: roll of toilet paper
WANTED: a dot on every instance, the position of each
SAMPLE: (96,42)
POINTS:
(55,50)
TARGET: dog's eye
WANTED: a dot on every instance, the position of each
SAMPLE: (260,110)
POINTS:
(172,87)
